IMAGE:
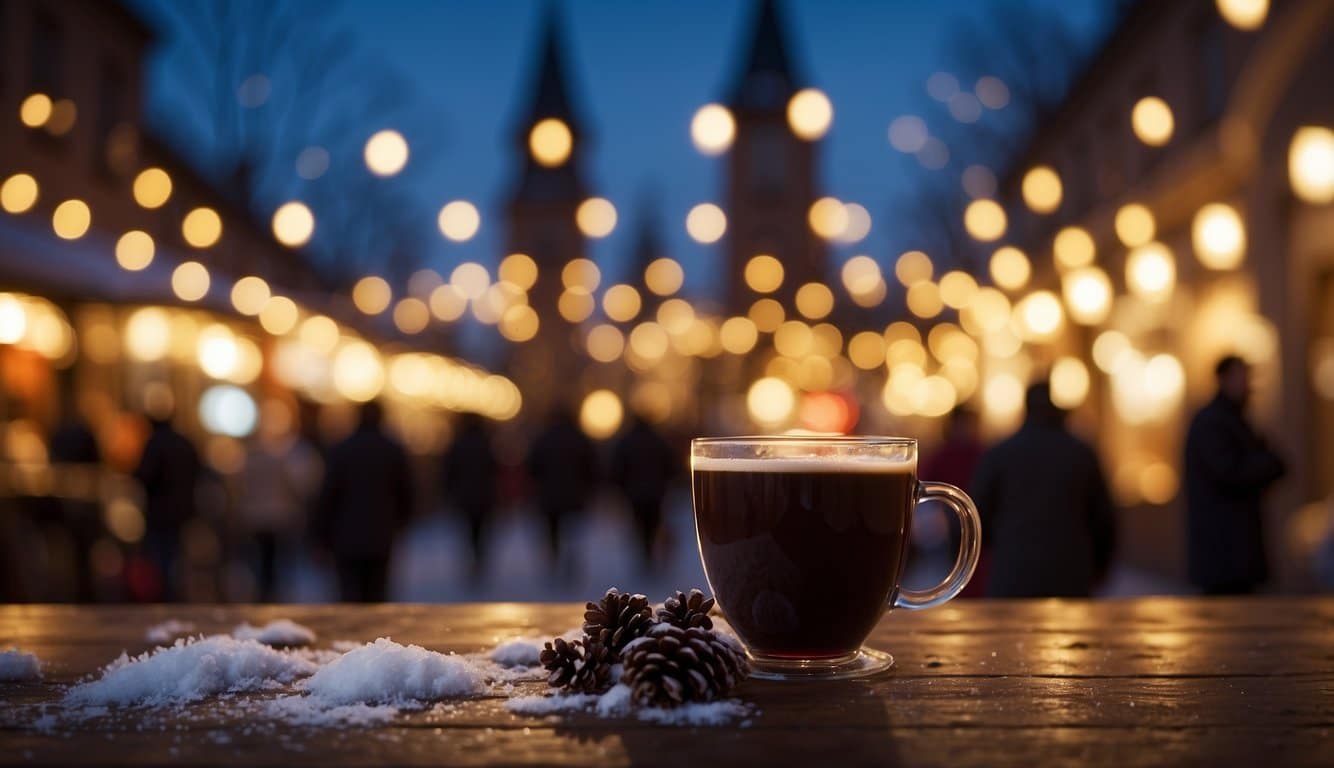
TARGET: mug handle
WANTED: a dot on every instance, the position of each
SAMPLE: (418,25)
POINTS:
(970,546)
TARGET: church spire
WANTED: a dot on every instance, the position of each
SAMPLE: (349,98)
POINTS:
(550,133)
(767,78)
(550,92)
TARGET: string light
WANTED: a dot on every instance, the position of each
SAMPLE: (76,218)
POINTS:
(71,219)
(1041,189)
(596,217)
(985,220)
(293,224)
(1246,15)
(201,227)
(152,188)
(663,276)
(550,142)
(809,114)
(190,281)
(1152,121)
(459,220)
(386,153)
(1219,236)
(1311,164)
(1134,225)
(18,194)
(706,223)
(713,129)
(372,294)
(134,250)
(1073,248)
(1010,268)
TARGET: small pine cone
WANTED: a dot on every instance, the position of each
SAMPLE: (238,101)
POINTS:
(617,619)
(577,666)
(686,611)
(670,666)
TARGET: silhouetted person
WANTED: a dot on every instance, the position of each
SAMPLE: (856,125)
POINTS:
(643,464)
(563,468)
(282,473)
(469,481)
(1046,514)
(954,461)
(1229,466)
(168,471)
(75,454)
(365,499)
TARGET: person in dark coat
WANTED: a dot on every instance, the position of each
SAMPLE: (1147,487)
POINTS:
(1047,517)
(365,499)
(1228,468)
(954,461)
(563,468)
(469,481)
(168,471)
(643,464)
(75,453)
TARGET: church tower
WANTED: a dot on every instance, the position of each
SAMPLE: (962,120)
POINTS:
(770,180)
(551,142)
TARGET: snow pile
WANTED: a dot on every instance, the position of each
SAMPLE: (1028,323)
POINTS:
(191,670)
(386,672)
(616,703)
(279,632)
(19,667)
(310,711)
(518,652)
(164,632)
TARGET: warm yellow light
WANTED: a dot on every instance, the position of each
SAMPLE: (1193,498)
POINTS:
(575,304)
(320,333)
(293,224)
(250,294)
(861,275)
(596,217)
(63,115)
(550,141)
(815,300)
(19,193)
(1152,121)
(601,414)
(676,316)
(988,312)
(1088,295)
(1311,164)
(152,188)
(809,114)
(1069,382)
(649,341)
(459,220)
(279,315)
(201,227)
(386,152)
(1151,272)
(71,219)
(520,269)
(520,323)
(448,303)
(1073,248)
(957,289)
(35,110)
(1158,482)
(1042,189)
(605,343)
(706,223)
(738,335)
(827,218)
(933,397)
(358,372)
(13,319)
(1040,316)
(148,335)
(411,315)
(763,273)
(1135,225)
(470,279)
(372,294)
(858,226)
(712,129)
(1246,15)
(621,303)
(189,281)
(134,250)
(663,276)
(216,351)
(1003,395)
(1109,350)
(924,299)
(985,220)
(1219,236)
(767,315)
(581,273)
(1010,268)
(913,267)
(770,401)
(866,350)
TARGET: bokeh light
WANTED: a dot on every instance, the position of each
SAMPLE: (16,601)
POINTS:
(985,220)
(621,303)
(924,300)
(201,227)
(134,250)
(913,267)
(908,134)
(1134,225)
(814,300)
(1010,268)
(1069,382)
(71,219)
(1040,316)
(386,152)
(250,294)
(809,114)
(596,217)
(827,218)
(1246,15)
(763,273)
(519,323)
(664,276)
(1073,247)
(372,294)
(1311,164)
(1151,272)
(152,188)
(601,413)
(957,289)
(459,220)
(1088,295)
(520,269)
(581,273)
(148,335)
(293,224)
(35,110)
(767,314)
(712,129)
(279,315)
(190,281)
(738,335)
(358,372)
(1152,121)
(706,223)
(1042,189)
(551,142)
(411,315)
(771,401)
(1219,236)
(19,193)
(604,343)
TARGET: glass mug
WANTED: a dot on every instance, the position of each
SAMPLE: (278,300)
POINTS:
(804,539)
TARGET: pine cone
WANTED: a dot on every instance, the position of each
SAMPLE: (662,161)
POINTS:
(617,619)
(685,611)
(670,666)
(579,666)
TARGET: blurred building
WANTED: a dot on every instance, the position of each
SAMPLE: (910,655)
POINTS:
(1171,209)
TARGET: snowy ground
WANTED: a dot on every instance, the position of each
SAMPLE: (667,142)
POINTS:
(433,561)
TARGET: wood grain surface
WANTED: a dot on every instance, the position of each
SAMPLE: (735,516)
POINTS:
(1153,681)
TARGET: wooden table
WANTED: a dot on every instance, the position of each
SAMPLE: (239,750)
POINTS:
(1154,681)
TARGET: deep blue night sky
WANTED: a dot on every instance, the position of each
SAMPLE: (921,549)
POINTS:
(641,70)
